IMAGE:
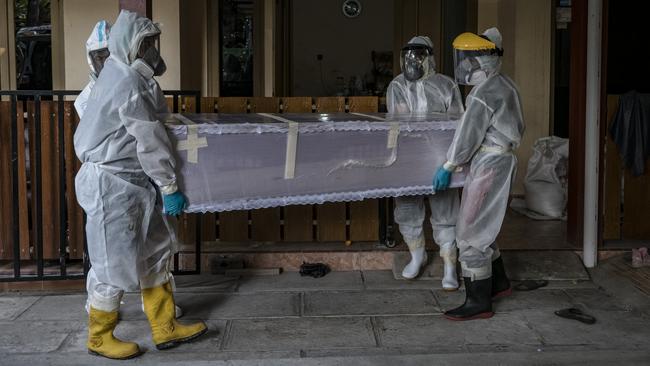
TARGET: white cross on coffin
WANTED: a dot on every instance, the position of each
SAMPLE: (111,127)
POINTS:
(192,144)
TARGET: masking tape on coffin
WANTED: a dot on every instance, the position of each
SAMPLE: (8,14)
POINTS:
(393,133)
(193,142)
(292,145)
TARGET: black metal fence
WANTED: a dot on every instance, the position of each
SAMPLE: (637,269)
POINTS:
(30,264)
(28,120)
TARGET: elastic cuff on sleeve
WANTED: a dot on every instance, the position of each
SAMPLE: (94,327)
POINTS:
(169,189)
(449,167)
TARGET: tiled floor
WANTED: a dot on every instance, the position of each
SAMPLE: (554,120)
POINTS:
(358,318)
(522,233)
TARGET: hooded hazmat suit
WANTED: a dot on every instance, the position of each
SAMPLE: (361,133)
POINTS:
(97,40)
(431,93)
(127,157)
(490,129)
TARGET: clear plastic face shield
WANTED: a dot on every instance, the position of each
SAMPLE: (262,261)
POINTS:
(149,52)
(468,65)
(414,61)
(98,57)
(149,42)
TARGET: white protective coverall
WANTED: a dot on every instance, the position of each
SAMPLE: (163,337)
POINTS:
(433,93)
(97,40)
(490,128)
(126,157)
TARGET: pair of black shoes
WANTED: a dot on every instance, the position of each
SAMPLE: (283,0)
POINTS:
(479,294)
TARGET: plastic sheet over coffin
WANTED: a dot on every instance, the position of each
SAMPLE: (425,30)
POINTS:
(339,157)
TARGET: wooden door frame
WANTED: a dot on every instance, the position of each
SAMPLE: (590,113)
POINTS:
(7,41)
(577,121)
(282,39)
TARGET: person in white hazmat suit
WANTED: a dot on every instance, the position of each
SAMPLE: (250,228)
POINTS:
(490,129)
(127,157)
(420,89)
(97,53)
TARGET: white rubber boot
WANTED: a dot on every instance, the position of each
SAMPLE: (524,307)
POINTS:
(418,259)
(449,255)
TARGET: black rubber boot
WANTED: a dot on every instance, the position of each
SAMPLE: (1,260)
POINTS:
(500,283)
(478,301)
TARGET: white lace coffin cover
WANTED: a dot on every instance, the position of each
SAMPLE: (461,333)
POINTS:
(241,161)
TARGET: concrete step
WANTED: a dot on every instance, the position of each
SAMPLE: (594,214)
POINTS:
(520,264)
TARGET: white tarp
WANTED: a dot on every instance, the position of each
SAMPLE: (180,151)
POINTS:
(249,161)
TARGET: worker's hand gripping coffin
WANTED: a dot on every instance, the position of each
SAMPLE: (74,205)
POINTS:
(248,161)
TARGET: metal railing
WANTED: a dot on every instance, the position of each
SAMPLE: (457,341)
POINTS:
(76,266)
(197,249)
(33,101)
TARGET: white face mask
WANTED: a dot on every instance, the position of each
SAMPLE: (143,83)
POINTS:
(477,77)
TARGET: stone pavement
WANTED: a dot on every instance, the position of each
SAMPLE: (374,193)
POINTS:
(344,318)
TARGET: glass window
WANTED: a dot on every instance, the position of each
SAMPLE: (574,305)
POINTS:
(236,47)
(33,45)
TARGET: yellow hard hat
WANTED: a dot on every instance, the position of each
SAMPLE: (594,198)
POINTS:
(471,42)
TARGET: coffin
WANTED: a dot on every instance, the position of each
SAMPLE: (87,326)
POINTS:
(249,161)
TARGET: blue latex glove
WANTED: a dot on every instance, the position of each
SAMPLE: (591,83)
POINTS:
(174,203)
(442,179)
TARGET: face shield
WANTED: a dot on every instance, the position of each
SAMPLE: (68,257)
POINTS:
(149,42)
(467,69)
(149,52)
(415,61)
(475,58)
(98,57)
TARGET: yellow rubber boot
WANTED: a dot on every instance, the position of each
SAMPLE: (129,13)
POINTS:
(165,330)
(102,342)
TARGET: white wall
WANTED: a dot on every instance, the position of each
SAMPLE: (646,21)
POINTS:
(319,27)
(79,17)
(167,13)
(526,28)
